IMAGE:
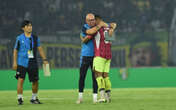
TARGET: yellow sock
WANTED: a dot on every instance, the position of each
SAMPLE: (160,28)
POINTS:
(100,82)
(107,84)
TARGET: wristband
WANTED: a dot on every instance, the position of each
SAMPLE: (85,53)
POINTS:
(90,37)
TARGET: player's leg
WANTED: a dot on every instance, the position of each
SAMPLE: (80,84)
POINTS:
(34,90)
(107,87)
(34,77)
(83,72)
(95,86)
(107,81)
(98,64)
(20,76)
(101,85)
(20,90)
(20,87)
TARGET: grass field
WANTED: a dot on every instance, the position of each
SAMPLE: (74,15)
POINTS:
(122,99)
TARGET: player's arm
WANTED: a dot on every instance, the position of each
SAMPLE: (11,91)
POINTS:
(41,52)
(85,39)
(112,28)
(83,35)
(15,52)
(104,24)
(113,25)
(94,29)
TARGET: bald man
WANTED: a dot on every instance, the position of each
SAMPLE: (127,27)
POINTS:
(87,54)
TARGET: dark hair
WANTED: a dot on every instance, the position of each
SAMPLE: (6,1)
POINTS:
(25,22)
(98,16)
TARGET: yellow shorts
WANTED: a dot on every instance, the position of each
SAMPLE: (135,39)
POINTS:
(101,64)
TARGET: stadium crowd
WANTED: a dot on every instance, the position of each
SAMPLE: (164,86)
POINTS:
(51,16)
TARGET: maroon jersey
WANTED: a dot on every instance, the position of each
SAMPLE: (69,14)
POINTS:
(102,47)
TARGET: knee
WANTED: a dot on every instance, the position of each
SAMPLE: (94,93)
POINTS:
(98,74)
(20,80)
(35,83)
(105,75)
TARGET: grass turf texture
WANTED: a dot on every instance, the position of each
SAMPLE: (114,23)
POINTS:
(122,99)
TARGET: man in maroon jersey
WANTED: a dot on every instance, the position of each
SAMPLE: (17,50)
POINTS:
(102,58)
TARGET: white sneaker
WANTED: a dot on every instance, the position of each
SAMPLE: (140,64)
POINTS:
(79,101)
(95,101)
(108,100)
(101,100)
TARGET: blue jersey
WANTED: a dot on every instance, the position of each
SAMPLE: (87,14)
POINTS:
(23,44)
(87,48)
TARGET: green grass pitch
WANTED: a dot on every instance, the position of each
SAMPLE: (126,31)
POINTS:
(122,99)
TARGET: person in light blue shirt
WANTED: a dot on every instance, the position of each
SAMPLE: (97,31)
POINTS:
(23,49)
(25,61)
(87,47)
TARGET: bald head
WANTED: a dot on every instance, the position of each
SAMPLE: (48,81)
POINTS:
(90,19)
(90,16)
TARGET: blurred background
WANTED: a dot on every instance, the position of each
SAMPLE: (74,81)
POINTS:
(145,35)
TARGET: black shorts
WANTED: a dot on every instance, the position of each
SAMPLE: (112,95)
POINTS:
(33,73)
(87,61)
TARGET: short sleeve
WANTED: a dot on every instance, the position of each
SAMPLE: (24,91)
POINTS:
(38,42)
(17,44)
(83,31)
(82,34)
